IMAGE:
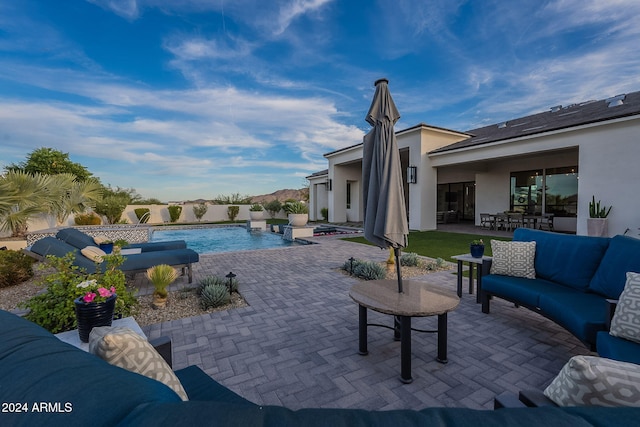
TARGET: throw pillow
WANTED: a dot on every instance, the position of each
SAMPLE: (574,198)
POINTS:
(123,347)
(514,258)
(626,321)
(93,253)
(101,239)
(596,381)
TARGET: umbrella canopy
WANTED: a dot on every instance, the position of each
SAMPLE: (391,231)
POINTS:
(385,215)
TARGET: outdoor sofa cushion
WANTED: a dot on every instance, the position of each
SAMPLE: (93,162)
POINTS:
(626,320)
(513,258)
(617,348)
(563,258)
(622,256)
(78,239)
(524,291)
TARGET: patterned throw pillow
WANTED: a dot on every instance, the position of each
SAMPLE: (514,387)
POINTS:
(596,381)
(123,347)
(626,320)
(514,258)
(94,253)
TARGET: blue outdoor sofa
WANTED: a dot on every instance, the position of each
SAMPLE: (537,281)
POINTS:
(152,254)
(578,280)
(44,381)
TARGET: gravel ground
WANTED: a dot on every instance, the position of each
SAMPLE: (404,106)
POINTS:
(183,303)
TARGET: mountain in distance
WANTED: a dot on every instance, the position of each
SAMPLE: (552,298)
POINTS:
(282,195)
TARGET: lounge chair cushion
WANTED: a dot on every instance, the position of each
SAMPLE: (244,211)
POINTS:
(123,347)
(626,320)
(94,253)
(75,238)
(622,256)
(52,246)
(596,381)
(101,239)
(513,258)
(565,259)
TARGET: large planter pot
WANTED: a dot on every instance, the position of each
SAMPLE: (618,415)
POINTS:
(597,227)
(255,215)
(477,251)
(298,220)
(91,314)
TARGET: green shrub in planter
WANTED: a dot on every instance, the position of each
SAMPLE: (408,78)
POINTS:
(368,270)
(87,219)
(15,268)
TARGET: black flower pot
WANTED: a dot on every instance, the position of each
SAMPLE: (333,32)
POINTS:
(93,314)
(477,251)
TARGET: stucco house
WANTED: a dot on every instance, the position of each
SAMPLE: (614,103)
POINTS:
(552,162)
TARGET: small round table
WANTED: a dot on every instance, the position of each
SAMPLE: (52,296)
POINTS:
(419,299)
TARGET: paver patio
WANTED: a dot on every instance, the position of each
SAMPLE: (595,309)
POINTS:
(296,344)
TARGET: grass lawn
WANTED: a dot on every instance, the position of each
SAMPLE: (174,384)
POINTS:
(439,244)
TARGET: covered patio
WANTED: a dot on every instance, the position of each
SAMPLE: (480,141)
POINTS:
(295,344)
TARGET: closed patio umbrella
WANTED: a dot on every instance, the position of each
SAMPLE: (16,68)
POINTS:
(385,216)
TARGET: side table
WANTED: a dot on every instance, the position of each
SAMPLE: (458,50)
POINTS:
(72,337)
(479,263)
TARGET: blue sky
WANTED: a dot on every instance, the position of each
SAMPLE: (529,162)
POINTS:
(197,98)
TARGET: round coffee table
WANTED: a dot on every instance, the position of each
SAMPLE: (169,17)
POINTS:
(419,299)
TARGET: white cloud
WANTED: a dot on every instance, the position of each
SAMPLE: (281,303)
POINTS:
(294,9)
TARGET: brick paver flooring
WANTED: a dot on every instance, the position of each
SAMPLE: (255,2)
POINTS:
(296,343)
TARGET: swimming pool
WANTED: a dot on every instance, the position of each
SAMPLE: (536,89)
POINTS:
(221,239)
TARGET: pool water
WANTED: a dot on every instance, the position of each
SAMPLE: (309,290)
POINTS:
(222,239)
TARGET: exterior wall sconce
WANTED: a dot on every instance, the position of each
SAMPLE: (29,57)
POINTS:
(412,175)
(328,184)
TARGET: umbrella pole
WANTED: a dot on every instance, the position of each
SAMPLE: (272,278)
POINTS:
(397,252)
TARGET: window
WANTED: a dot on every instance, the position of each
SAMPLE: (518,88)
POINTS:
(348,195)
(550,191)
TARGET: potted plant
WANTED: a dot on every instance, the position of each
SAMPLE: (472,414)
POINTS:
(476,248)
(298,213)
(106,246)
(597,221)
(255,211)
(161,276)
(94,307)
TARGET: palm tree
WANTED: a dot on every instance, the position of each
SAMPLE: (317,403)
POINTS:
(74,196)
(22,196)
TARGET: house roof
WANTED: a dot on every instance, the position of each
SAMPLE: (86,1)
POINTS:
(558,117)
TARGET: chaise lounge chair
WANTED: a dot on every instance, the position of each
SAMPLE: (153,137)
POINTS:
(135,263)
(80,240)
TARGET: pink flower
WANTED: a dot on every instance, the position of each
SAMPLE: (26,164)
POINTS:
(113,289)
(104,292)
(89,297)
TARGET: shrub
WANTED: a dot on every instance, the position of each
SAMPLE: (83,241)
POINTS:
(348,265)
(199,210)
(232,212)
(174,212)
(325,214)
(214,296)
(54,309)
(256,207)
(87,219)
(409,259)
(142,214)
(273,207)
(295,208)
(15,268)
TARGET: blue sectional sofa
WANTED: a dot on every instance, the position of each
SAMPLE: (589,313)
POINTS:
(576,279)
(152,254)
(44,381)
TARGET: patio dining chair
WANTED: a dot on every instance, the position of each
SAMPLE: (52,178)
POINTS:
(546,222)
(486,221)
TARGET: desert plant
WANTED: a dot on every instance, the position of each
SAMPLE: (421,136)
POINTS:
(232,212)
(325,214)
(214,296)
(142,214)
(217,280)
(256,207)
(174,212)
(54,310)
(15,268)
(87,219)
(409,259)
(295,208)
(273,207)
(199,210)
(597,211)
(369,270)
(161,276)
